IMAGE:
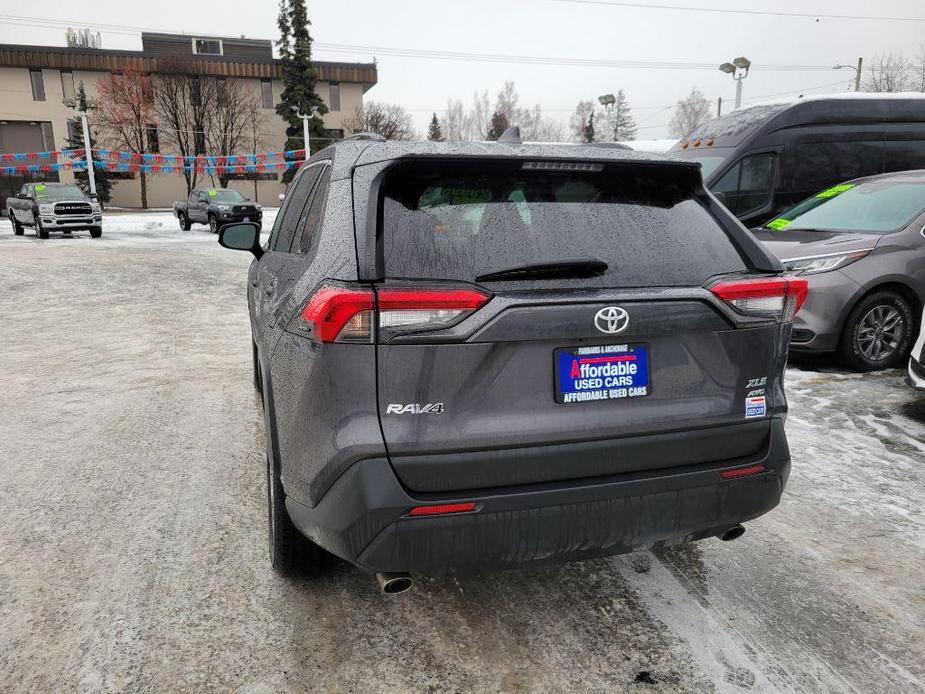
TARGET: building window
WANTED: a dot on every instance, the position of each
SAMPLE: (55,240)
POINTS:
(199,142)
(334,98)
(221,91)
(67,85)
(38,85)
(266,93)
(195,91)
(74,130)
(48,137)
(207,46)
(154,142)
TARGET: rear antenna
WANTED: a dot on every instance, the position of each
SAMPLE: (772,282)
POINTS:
(511,136)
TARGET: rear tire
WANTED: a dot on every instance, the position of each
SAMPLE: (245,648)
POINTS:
(96,232)
(213,224)
(184,221)
(291,553)
(878,333)
(40,231)
(18,229)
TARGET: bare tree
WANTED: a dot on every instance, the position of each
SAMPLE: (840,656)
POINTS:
(689,114)
(125,110)
(232,121)
(918,73)
(456,124)
(889,72)
(480,118)
(391,121)
(184,104)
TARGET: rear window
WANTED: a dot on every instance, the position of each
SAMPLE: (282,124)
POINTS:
(460,220)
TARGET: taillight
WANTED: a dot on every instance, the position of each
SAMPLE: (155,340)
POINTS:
(442,509)
(340,313)
(780,297)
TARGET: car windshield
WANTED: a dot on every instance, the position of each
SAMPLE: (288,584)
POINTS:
(45,192)
(878,207)
(226,196)
(709,160)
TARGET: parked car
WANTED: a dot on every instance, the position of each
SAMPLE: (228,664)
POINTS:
(916,377)
(48,207)
(860,245)
(216,207)
(494,354)
(763,160)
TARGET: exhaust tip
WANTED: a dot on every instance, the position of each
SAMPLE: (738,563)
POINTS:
(394,583)
(735,532)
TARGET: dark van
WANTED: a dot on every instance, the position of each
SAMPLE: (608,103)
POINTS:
(763,160)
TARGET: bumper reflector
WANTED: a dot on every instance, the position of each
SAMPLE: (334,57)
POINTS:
(442,509)
(742,471)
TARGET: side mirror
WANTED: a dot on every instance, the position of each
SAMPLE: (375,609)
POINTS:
(282,196)
(241,237)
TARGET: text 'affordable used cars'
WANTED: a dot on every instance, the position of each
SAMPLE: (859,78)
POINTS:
(488,355)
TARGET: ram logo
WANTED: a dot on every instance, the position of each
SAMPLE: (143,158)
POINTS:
(415,408)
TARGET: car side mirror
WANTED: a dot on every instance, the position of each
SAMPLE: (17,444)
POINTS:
(241,237)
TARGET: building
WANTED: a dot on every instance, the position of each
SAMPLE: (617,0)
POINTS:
(35,81)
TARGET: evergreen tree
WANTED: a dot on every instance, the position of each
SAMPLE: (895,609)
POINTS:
(434,132)
(75,140)
(299,78)
(498,125)
(622,124)
(587,133)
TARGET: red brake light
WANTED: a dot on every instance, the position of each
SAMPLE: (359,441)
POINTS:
(781,297)
(337,313)
(441,509)
(331,308)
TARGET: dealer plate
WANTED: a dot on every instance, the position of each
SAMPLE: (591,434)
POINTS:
(602,372)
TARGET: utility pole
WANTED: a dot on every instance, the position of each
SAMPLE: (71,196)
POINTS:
(88,152)
(719,106)
(857,77)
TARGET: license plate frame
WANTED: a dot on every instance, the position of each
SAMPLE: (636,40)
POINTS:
(618,383)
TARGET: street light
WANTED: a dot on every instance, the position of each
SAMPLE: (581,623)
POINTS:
(857,72)
(738,69)
(305,119)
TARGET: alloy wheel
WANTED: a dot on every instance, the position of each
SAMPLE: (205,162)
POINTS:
(880,333)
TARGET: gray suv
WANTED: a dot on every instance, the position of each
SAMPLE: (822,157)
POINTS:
(487,355)
(860,245)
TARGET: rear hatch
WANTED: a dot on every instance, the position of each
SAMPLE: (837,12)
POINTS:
(543,321)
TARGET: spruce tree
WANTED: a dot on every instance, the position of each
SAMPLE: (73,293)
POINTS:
(587,133)
(622,124)
(434,132)
(499,123)
(75,140)
(299,78)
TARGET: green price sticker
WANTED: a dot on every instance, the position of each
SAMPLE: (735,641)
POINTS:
(211,192)
(778,223)
(835,190)
(40,186)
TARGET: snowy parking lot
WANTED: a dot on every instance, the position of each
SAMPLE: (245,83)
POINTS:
(133,539)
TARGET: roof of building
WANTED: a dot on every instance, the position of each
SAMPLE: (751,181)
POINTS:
(252,58)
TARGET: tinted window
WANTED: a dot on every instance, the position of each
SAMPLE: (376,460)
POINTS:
(875,206)
(292,211)
(458,221)
(904,156)
(312,217)
(709,158)
(811,166)
(747,185)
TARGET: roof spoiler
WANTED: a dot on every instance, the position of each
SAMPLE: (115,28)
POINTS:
(511,136)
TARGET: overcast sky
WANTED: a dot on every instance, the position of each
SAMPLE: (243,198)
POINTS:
(556,29)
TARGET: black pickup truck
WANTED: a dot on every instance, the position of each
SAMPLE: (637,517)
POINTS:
(216,207)
(48,207)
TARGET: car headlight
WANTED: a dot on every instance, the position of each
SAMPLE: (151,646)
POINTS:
(224,208)
(259,207)
(95,208)
(813,265)
(46,209)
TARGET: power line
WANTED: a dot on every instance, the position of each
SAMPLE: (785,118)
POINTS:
(718,10)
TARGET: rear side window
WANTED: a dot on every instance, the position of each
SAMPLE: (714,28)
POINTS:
(312,216)
(458,220)
(295,201)
(746,187)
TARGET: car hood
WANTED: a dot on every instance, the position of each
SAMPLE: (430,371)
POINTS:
(787,244)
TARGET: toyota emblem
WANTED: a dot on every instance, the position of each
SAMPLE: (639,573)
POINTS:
(612,320)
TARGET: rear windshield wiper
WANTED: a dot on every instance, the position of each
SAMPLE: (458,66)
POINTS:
(554,269)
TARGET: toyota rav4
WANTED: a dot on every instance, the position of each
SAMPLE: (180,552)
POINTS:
(488,355)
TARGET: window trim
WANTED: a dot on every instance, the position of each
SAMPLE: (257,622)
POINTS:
(221,46)
(331,86)
(69,74)
(41,77)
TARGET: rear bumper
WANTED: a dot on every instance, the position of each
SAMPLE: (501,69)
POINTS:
(363,517)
